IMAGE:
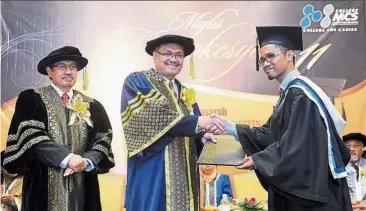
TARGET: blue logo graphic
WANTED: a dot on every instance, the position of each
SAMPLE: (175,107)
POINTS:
(310,15)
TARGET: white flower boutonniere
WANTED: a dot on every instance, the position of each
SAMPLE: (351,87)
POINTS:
(80,111)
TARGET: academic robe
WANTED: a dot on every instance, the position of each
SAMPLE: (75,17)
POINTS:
(162,143)
(357,183)
(290,154)
(40,137)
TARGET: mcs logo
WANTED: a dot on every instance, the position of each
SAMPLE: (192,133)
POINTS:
(341,16)
(315,15)
(346,16)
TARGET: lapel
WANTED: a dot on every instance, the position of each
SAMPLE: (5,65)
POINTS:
(179,89)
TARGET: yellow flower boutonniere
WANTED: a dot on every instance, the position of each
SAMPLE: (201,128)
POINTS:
(189,97)
(363,172)
(80,111)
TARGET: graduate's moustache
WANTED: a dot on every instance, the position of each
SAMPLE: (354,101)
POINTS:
(268,68)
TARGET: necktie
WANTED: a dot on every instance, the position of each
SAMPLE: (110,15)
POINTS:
(357,170)
(282,95)
(65,99)
(172,88)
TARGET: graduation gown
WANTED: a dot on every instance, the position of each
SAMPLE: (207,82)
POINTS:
(162,143)
(40,138)
(290,155)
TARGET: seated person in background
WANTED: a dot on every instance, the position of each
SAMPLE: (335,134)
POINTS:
(355,180)
(215,184)
(11,190)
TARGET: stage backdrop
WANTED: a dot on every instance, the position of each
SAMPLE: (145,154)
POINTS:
(112,35)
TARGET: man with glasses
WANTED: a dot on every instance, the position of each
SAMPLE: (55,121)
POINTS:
(298,155)
(164,131)
(356,170)
(59,139)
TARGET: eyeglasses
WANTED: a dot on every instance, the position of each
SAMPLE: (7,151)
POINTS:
(64,66)
(269,57)
(171,55)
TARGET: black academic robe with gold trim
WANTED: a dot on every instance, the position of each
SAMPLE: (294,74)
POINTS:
(40,137)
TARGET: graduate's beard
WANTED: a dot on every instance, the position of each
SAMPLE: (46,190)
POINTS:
(270,77)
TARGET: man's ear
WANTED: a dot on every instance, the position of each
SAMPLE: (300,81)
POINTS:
(290,55)
(155,56)
(49,70)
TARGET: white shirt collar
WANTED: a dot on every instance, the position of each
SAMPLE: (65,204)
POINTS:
(60,92)
(167,79)
(175,85)
(288,78)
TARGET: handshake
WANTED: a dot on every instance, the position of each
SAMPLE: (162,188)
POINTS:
(214,124)
(76,164)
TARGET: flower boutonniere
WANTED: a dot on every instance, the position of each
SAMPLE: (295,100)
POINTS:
(363,172)
(80,111)
(189,97)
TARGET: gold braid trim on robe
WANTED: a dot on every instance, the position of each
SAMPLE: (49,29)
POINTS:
(64,193)
(14,141)
(145,120)
(139,120)
(175,166)
(106,138)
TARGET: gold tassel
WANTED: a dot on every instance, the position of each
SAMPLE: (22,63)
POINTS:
(344,116)
(192,71)
(85,79)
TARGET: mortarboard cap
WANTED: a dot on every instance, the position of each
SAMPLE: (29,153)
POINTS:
(286,36)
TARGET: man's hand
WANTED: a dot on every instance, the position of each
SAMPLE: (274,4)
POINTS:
(218,116)
(247,163)
(209,137)
(358,205)
(7,199)
(70,170)
(77,163)
(212,125)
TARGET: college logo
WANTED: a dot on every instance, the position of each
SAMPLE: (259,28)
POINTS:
(329,16)
(309,16)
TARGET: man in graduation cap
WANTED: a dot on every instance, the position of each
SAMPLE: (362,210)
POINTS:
(163,131)
(59,139)
(355,179)
(298,155)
